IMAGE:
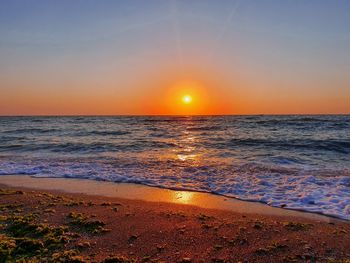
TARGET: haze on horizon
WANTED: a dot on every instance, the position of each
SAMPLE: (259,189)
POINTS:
(141,57)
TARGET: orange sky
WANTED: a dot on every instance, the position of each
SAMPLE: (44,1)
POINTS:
(211,94)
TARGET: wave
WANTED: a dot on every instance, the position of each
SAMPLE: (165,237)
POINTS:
(176,119)
(11,138)
(340,146)
(110,132)
(299,120)
(102,133)
(30,130)
(93,147)
(205,128)
(301,189)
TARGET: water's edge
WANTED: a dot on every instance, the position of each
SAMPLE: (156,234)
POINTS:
(137,191)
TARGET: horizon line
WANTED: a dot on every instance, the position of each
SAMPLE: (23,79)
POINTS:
(172,115)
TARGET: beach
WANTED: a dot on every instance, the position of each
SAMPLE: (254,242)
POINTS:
(85,225)
(174,131)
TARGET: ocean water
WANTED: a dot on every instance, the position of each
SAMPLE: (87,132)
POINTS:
(297,162)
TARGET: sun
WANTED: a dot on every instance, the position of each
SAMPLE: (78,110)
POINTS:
(187,99)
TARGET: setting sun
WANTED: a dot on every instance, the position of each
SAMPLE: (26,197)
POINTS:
(187,99)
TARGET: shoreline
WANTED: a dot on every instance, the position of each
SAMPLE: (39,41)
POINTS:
(156,194)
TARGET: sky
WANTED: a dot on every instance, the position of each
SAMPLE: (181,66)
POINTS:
(140,57)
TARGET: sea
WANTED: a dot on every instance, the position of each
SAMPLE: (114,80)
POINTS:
(297,162)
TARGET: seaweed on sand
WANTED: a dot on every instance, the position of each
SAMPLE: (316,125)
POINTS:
(84,223)
(23,238)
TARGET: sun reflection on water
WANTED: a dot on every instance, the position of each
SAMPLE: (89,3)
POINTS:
(185,157)
(187,150)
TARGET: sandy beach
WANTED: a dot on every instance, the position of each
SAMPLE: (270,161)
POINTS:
(52,225)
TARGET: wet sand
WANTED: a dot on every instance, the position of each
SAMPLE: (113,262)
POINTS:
(165,226)
(152,194)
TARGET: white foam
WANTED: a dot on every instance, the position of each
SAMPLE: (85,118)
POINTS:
(300,190)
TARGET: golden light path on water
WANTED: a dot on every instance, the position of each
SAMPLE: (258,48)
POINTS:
(186,144)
